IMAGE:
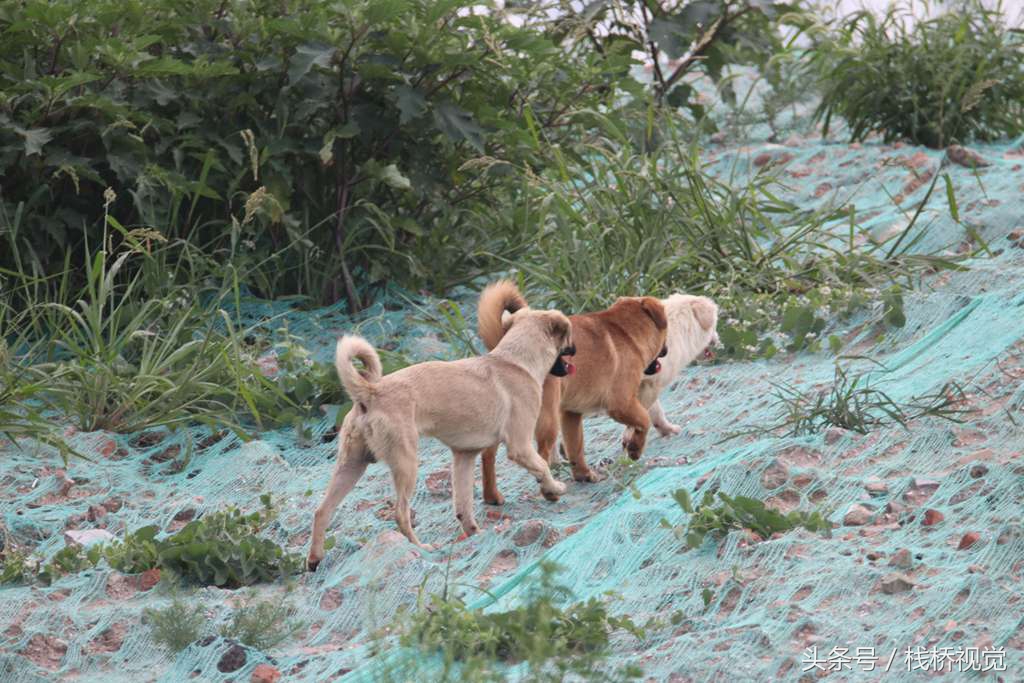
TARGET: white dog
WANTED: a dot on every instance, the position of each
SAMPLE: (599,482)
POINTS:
(692,332)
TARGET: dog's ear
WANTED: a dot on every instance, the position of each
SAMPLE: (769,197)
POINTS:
(705,311)
(558,327)
(654,308)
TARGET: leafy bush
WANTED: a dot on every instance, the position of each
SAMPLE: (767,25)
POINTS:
(933,81)
(219,549)
(311,144)
(740,512)
(552,639)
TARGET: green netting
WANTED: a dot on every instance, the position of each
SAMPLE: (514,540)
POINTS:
(771,600)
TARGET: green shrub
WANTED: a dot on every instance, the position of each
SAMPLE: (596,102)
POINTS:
(317,146)
(553,639)
(948,79)
(740,512)
(262,624)
(176,626)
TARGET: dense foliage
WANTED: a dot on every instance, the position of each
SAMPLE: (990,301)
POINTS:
(952,78)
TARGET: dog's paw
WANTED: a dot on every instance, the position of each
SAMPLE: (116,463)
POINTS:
(496,499)
(554,491)
(668,429)
(587,475)
(312,564)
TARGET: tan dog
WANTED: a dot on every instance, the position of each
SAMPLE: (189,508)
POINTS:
(692,332)
(613,348)
(467,404)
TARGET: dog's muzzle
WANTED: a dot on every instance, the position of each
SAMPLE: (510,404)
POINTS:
(562,367)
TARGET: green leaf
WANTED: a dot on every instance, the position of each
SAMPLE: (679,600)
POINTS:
(411,103)
(459,125)
(675,33)
(951,198)
(390,175)
(682,497)
(305,57)
(35,138)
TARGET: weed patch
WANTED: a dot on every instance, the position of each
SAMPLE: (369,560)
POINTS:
(851,402)
(739,512)
(552,638)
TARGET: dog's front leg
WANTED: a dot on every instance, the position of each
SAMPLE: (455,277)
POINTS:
(633,415)
(462,489)
(524,454)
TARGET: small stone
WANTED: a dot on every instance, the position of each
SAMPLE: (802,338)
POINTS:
(975,569)
(901,559)
(966,157)
(529,532)
(969,539)
(894,507)
(1015,235)
(232,660)
(775,475)
(87,537)
(950,625)
(896,583)
(149,578)
(874,556)
(857,515)
(978,471)
(926,484)
(932,517)
(877,488)
(95,512)
(834,434)
(264,673)
(762,159)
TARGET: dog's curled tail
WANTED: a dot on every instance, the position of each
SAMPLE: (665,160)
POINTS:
(358,384)
(497,298)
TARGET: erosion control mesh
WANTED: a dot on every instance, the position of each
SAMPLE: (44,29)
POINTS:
(770,601)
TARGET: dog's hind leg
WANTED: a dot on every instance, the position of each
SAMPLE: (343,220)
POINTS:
(572,438)
(462,489)
(492,496)
(351,463)
(660,421)
(524,454)
(403,470)
(546,431)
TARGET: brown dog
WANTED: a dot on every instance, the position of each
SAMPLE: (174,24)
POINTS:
(613,348)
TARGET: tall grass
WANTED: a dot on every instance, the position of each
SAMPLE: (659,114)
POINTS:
(630,223)
(951,78)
